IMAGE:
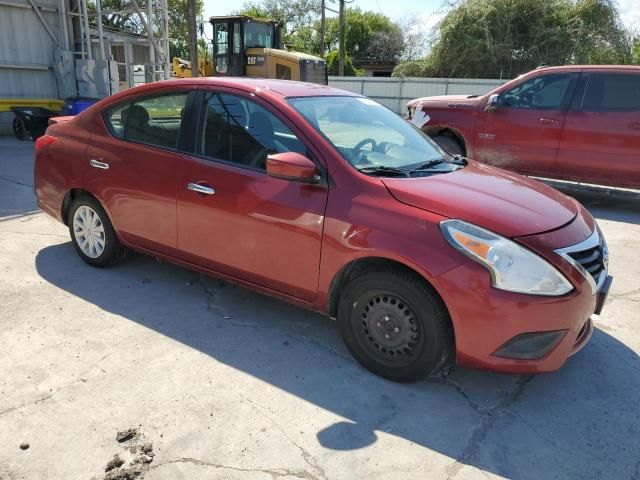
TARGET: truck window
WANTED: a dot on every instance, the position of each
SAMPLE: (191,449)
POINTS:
(258,35)
(540,93)
(612,92)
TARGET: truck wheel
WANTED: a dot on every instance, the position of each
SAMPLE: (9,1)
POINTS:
(395,325)
(449,144)
(92,234)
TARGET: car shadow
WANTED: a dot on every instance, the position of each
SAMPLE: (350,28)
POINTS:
(582,421)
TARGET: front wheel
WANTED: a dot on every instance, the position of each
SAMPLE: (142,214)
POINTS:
(92,234)
(395,325)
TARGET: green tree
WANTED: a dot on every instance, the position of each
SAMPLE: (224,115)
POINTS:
(635,51)
(414,68)
(294,14)
(126,19)
(503,38)
(369,37)
(332,64)
(178,27)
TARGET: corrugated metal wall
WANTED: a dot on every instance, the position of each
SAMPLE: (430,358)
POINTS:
(26,49)
(394,93)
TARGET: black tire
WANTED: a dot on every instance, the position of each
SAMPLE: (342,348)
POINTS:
(449,144)
(404,307)
(113,249)
(20,129)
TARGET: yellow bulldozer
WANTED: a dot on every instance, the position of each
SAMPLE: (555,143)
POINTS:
(181,68)
(250,47)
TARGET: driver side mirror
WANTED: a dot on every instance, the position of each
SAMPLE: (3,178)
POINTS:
(293,166)
(494,102)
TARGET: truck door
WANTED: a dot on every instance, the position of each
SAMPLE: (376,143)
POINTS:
(228,49)
(522,132)
(601,137)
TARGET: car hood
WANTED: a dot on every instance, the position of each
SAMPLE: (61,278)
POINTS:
(504,202)
(449,101)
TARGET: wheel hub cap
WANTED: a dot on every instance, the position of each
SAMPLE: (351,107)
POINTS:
(88,231)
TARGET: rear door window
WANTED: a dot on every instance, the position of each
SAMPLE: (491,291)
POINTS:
(612,92)
(152,120)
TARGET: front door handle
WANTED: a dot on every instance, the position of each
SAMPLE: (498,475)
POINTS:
(548,121)
(201,189)
(98,164)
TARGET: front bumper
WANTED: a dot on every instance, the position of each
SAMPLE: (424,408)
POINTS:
(517,333)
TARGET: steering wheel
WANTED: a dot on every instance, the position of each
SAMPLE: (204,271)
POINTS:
(384,147)
(361,144)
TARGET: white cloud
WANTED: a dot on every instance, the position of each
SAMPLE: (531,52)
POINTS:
(630,14)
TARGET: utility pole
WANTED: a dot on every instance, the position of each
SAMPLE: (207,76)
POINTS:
(165,38)
(322,27)
(193,36)
(342,37)
(152,52)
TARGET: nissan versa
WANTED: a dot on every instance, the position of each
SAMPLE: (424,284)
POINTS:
(326,199)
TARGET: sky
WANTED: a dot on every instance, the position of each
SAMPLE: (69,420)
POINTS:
(430,11)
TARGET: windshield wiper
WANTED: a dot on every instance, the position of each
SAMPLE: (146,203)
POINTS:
(381,169)
(429,164)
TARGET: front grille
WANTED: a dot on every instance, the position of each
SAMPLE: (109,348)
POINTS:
(592,260)
(590,257)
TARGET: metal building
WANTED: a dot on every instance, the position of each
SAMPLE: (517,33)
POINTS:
(53,49)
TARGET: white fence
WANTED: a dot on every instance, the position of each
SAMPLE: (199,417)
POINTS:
(394,93)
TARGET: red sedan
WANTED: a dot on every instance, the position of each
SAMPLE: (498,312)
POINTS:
(326,199)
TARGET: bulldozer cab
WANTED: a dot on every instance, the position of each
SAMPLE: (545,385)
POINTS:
(233,35)
(249,47)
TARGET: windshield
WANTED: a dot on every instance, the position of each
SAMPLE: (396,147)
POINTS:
(257,35)
(370,136)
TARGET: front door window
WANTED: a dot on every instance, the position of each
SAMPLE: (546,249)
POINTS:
(540,93)
(243,132)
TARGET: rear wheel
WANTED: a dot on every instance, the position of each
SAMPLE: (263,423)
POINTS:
(449,144)
(20,129)
(92,234)
(395,325)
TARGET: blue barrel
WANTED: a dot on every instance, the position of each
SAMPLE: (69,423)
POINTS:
(75,105)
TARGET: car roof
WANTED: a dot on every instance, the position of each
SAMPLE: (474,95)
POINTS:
(285,88)
(574,68)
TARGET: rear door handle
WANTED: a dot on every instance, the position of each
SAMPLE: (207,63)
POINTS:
(548,121)
(201,189)
(635,126)
(98,164)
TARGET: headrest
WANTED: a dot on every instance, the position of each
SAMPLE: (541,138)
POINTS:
(135,115)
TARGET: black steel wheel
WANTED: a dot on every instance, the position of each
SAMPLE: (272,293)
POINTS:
(390,330)
(395,325)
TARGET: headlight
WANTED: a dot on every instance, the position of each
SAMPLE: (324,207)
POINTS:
(512,267)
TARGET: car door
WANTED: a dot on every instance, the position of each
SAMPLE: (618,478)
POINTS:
(522,130)
(133,167)
(235,219)
(601,137)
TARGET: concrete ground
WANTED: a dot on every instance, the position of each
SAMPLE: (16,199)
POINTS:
(229,384)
